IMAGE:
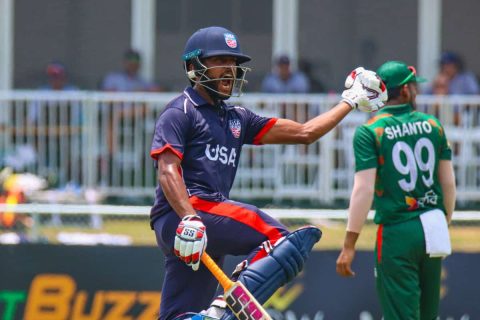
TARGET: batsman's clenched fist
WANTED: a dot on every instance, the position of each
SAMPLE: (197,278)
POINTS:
(190,240)
(365,91)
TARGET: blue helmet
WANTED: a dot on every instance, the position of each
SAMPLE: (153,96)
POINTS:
(211,42)
(214,41)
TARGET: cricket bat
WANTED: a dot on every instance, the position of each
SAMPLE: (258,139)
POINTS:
(238,298)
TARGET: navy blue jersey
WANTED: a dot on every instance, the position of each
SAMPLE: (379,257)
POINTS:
(208,139)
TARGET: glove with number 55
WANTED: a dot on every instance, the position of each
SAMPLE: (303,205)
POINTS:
(190,240)
(365,90)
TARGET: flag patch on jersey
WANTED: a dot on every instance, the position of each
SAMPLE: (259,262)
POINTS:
(230,40)
(235,127)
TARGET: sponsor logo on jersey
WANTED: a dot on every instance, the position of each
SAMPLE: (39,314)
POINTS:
(235,127)
(221,154)
(412,203)
(230,40)
(430,197)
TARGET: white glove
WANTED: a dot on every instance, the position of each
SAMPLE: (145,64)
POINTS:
(190,240)
(364,90)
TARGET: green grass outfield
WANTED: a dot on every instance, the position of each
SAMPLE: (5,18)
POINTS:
(465,235)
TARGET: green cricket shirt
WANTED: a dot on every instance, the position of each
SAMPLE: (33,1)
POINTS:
(405,146)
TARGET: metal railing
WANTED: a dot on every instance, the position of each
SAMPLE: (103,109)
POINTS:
(102,140)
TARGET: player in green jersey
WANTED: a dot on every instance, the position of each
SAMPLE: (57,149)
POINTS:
(403,165)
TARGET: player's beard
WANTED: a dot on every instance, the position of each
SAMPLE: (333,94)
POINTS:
(220,88)
(215,92)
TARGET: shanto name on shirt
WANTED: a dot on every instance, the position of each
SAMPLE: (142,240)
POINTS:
(408,129)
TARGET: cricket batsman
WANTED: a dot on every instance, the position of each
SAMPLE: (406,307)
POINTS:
(196,147)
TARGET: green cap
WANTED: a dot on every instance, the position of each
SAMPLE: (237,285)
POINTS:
(396,74)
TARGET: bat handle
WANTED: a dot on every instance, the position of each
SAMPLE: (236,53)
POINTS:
(225,281)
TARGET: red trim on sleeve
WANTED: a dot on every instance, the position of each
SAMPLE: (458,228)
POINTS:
(154,153)
(379,242)
(240,214)
(264,130)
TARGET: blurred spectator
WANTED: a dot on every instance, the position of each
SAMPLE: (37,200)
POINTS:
(454,79)
(57,78)
(440,85)
(307,68)
(128,79)
(284,80)
(460,81)
(62,118)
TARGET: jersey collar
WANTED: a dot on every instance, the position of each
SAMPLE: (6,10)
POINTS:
(194,97)
(197,100)
(396,109)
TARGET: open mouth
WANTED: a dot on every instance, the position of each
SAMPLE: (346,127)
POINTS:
(226,81)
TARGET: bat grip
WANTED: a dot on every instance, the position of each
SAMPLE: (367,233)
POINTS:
(218,273)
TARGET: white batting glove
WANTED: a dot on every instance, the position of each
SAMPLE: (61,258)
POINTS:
(376,91)
(354,94)
(365,91)
(190,240)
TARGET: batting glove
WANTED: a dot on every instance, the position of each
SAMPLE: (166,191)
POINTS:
(190,240)
(365,91)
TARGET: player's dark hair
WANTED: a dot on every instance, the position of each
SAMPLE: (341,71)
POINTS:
(394,93)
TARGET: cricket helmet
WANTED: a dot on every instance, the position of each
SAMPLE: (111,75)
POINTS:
(214,41)
(210,42)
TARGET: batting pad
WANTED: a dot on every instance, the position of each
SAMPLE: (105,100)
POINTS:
(283,263)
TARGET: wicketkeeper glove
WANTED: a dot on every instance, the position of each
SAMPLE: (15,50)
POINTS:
(365,91)
(190,240)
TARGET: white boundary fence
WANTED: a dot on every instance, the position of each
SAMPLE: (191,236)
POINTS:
(102,140)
